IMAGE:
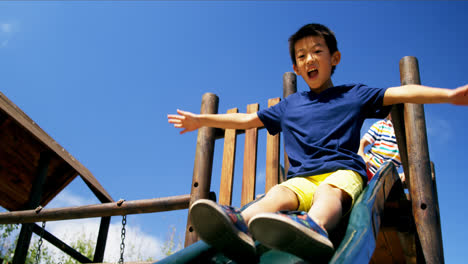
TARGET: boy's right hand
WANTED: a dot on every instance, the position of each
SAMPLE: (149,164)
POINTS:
(186,120)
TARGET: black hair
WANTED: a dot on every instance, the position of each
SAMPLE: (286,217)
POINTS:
(313,30)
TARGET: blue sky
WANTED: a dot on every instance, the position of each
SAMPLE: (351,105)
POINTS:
(100,78)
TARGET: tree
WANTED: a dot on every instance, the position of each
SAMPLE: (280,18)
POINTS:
(84,245)
(44,257)
(7,242)
(171,245)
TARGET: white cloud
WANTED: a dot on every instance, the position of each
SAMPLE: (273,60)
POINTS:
(6,30)
(138,245)
(66,199)
(6,27)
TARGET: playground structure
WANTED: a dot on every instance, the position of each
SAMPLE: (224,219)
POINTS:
(385,226)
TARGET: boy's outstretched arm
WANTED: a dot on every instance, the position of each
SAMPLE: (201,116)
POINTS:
(419,94)
(189,121)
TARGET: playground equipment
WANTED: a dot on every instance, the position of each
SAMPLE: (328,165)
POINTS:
(385,226)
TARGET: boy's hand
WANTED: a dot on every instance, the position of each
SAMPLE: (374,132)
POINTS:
(186,120)
(459,96)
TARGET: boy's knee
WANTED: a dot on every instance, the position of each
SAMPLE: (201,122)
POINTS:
(282,196)
(343,196)
(279,190)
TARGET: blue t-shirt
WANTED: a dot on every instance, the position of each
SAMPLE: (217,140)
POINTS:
(322,131)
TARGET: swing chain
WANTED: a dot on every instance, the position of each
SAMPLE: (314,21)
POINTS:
(39,243)
(122,235)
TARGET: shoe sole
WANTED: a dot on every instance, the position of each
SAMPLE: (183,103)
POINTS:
(284,234)
(216,229)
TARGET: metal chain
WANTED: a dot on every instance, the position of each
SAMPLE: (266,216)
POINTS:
(122,236)
(39,244)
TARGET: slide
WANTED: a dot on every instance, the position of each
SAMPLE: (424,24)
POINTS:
(358,239)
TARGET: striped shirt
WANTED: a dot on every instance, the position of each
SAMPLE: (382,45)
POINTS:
(381,137)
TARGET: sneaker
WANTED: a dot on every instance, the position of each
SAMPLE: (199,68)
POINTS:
(294,232)
(222,227)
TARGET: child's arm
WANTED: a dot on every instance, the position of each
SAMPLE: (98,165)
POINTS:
(419,94)
(190,121)
(362,145)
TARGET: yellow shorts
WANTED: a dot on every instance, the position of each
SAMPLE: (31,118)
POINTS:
(304,187)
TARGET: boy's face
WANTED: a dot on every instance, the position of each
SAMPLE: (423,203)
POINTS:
(314,62)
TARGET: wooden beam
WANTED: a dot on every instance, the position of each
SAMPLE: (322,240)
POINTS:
(203,165)
(420,183)
(102,239)
(59,244)
(289,87)
(97,210)
(399,127)
(25,235)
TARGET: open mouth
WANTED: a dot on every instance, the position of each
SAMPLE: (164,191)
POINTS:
(312,73)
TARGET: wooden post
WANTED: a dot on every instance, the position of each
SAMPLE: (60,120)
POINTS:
(289,84)
(289,87)
(25,235)
(59,244)
(201,179)
(101,240)
(420,181)
(398,122)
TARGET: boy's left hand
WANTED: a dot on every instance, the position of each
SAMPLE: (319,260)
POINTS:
(459,96)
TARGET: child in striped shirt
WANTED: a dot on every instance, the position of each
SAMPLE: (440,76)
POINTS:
(384,147)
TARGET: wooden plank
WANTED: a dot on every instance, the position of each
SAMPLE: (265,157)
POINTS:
(272,155)
(219,134)
(388,248)
(227,171)
(250,160)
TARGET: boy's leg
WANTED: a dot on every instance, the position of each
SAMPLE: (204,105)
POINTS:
(335,197)
(305,234)
(330,204)
(277,198)
(225,227)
